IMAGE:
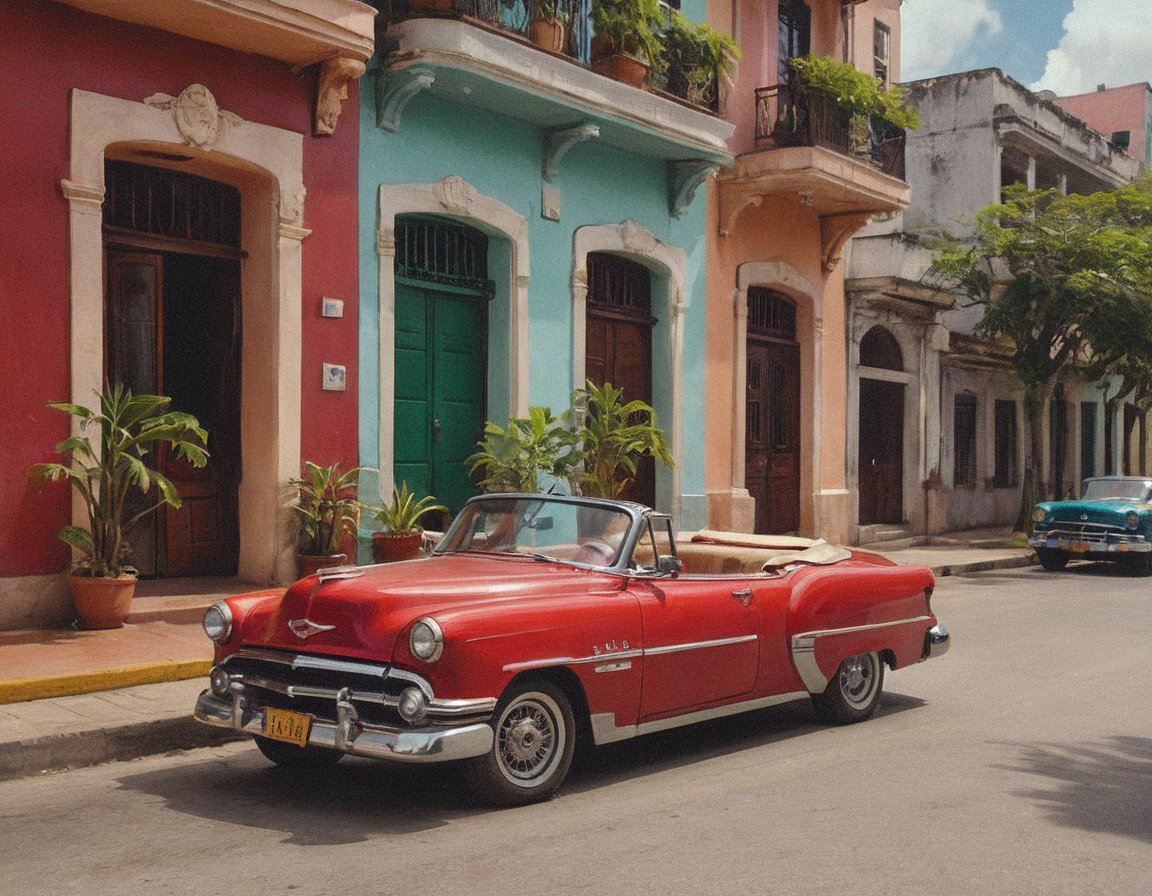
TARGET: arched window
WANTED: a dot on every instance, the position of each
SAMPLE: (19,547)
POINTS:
(880,349)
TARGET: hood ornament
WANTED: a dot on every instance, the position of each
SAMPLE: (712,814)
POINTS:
(306,628)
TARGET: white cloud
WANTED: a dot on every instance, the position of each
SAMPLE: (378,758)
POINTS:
(1105,42)
(937,35)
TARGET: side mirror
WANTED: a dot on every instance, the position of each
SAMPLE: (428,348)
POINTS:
(668,566)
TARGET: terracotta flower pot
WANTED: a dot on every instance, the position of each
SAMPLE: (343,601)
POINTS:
(308,564)
(389,548)
(547,34)
(102,602)
(626,69)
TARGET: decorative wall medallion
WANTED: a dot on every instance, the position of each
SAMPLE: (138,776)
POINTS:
(198,118)
(455,194)
(637,239)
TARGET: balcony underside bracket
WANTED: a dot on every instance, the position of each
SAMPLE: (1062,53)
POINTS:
(395,89)
(557,143)
(835,231)
(684,178)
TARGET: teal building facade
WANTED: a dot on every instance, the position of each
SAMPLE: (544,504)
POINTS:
(526,223)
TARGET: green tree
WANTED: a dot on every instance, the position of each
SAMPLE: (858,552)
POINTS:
(1067,282)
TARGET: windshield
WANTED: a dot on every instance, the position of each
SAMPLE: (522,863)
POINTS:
(1127,489)
(590,534)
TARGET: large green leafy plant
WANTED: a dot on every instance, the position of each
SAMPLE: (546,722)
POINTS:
(631,27)
(513,458)
(327,507)
(855,91)
(107,464)
(613,434)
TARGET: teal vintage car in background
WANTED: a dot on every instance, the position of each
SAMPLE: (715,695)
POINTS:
(1112,520)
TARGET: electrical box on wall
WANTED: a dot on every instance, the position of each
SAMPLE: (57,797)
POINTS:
(335,377)
(331,307)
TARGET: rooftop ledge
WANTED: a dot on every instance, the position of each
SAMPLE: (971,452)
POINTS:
(300,32)
(463,62)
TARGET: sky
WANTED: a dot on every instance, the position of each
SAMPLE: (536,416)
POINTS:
(1066,46)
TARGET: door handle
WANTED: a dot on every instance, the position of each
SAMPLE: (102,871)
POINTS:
(436,431)
(744,596)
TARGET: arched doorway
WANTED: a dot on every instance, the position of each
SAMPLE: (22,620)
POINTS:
(880,468)
(441,355)
(772,412)
(618,343)
(172,260)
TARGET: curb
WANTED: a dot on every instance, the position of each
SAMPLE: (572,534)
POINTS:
(21,690)
(59,752)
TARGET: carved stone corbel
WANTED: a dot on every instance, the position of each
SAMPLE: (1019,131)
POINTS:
(835,231)
(332,90)
(684,178)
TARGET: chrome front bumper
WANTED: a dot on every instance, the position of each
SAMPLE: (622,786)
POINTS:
(936,642)
(350,735)
(1091,544)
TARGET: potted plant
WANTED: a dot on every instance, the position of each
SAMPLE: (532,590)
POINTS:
(402,533)
(547,27)
(512,459)
(857,93)
(696,57)
(613,435)
(106,466)
(626,42)
(327,510)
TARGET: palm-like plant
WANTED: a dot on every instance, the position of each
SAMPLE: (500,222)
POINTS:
(327,507)
(512,458)
(613,435)
(401,515)
(107,463)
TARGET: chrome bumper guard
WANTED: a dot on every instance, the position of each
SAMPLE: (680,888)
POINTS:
(349,734)
(936,642)
(1094,543)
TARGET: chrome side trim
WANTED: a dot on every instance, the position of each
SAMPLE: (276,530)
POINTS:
(804,649)
(605,730)
(351,735)
(700,645)
(625,654)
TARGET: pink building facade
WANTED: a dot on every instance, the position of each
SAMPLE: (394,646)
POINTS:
(1122,114)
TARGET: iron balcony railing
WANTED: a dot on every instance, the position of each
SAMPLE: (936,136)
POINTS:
(513,17)
(790,115)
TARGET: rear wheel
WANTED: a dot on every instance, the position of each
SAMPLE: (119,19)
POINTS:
(532,750)
(291,756)
(1052,559)
(854,691)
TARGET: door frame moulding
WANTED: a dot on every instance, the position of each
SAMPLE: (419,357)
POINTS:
(455,198)
(190,133)
(670,303)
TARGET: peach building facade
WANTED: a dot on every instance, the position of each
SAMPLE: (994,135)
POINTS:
(779,220)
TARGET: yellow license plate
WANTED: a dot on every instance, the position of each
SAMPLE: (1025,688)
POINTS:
(290,727)
(1079,547)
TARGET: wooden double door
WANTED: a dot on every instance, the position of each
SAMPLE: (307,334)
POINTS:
(880,468)
(173,328)
(772,434)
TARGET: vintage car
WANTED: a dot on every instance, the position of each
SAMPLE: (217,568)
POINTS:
(542,620)
(1111,521)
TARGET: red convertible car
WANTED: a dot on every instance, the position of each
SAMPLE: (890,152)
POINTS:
(542,620)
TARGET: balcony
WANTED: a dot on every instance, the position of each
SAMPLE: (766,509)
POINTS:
(477,53)
(840,167)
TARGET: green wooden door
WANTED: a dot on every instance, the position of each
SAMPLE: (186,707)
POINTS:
(441,389)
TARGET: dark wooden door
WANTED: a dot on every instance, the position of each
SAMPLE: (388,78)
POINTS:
(173,328)
(619,351)
(881,459)
(772,435)
(441,394)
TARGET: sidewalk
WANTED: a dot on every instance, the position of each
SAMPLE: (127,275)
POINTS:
(73,698)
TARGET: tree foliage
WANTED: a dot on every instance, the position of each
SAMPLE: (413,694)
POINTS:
(1067,282)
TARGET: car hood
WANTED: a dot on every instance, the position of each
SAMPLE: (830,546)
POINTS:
(1103,511)
(362,617)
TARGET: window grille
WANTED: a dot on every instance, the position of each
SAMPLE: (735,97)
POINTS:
(964,441)
(770,314)
(441,252)
(619,285)
(173,204)
(1006,475)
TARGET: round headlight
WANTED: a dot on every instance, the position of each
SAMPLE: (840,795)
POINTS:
(413,706)
(427,640)
(219,681)
(1038,515)
(1133,519)
(218,622)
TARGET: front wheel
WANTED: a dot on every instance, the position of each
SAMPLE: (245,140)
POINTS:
(854,691)
(1052,559)
(532,749)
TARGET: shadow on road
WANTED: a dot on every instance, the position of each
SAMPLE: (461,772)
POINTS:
(361,799)
(1100,787)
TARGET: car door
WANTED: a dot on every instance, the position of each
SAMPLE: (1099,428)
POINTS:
(701,642)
